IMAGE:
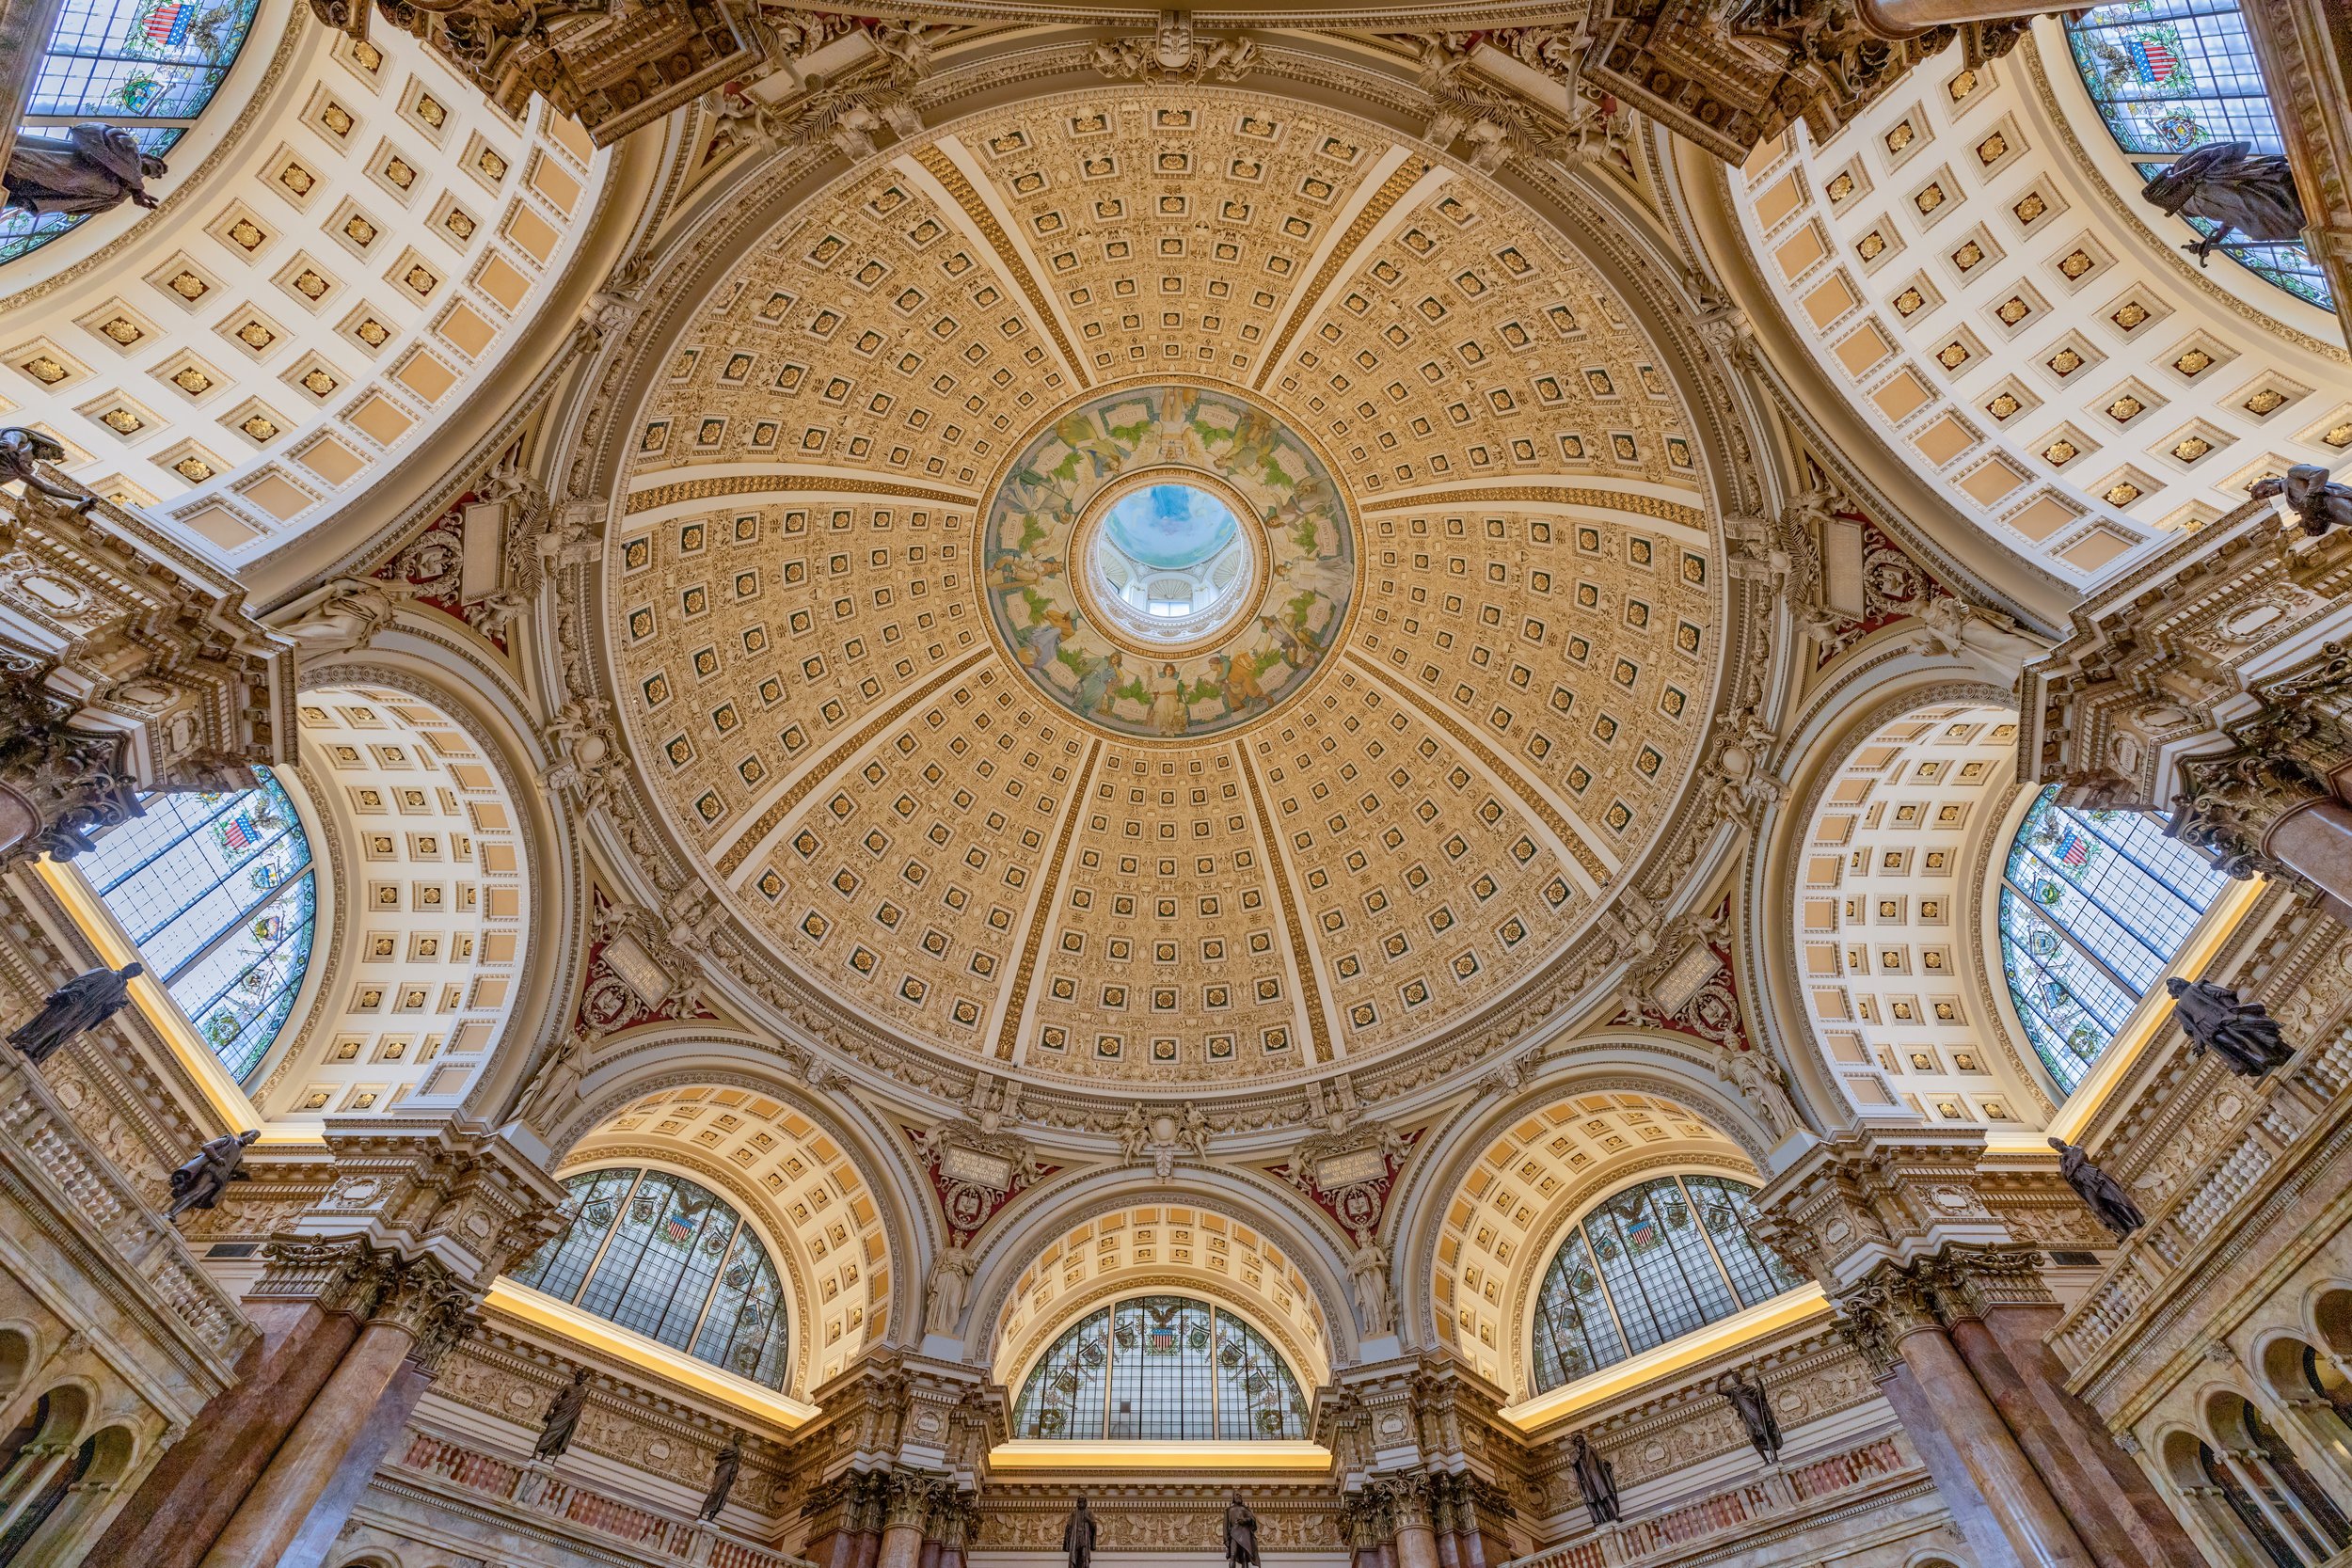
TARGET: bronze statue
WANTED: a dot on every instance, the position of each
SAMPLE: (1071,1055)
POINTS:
(20,449)
(93,169)
(1596,1478)
(2317,504)
(2240,1033)
(722,1473)
(2230,185)
(563,1417)
(1077,1536)
(1755,1412)
(82,1002)
(1241,1535)
(2101,1193)
(199,1184)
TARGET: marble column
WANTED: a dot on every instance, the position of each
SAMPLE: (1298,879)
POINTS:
(1416,1540)
(1994,1304)
(1996,1497)
(417,1310)
(909,1506)
(830,1511)
(1442,1521)
(265,1526)
(186,1500)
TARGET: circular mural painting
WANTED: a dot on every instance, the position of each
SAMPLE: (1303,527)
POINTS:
(1169,562)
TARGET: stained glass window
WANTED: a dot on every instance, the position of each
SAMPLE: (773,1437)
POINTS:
(672,1259)
(2168,75)
(1647,1265)
(1161,1367)
(216,891)
(2093,906)
(148,66)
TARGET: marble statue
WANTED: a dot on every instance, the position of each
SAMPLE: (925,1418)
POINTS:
(949,1276)
(1368,1270)
(92,168)
(1241,1535)
(81,1003)
(199,1184)
(20,449)
(1748,1398)
(2240,1033)
(722,1473)
(1077,1536)
(557,1084)
(563,1417)
(2101,1193)
(2317,503)
(2230,185)
(1596,1478)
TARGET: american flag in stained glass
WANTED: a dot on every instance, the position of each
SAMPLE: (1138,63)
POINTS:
(2073,850)
(677,1229)
(238,833)
(1642,1235)
(2153,60)
(1161,1338)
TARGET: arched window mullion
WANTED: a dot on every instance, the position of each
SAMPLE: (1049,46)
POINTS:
(2034,912)
(227,805)
(2096,898)
(237,924)
(620,1213)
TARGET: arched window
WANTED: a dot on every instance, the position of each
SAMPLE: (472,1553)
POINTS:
(1165,1368)
(2094,904)
(2169,75)
(1649,1264)
(148,66)
(672,1259)
(218,893)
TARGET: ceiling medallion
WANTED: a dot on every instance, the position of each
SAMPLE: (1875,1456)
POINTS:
(1169,562)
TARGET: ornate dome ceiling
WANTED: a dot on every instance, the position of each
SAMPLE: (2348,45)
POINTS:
(1352,789)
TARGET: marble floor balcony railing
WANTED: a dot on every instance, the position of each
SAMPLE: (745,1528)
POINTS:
(548,1501)
(1779,1497)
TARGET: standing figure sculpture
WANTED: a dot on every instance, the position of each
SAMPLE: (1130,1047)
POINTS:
(81,1003)
(1241,1535)
(92,168)
(20,449)
(1596,1478)
(2101,1193)
(722,1473)
(1755,1412)
(2241,1033)
(1077,1536)
(2229,185)
(563,1417)
(216,1163)
(1368,1271)
(2318,504)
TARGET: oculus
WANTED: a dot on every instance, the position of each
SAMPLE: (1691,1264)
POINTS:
(1169,562)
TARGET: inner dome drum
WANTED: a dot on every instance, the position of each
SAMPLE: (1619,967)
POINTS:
(1169,562)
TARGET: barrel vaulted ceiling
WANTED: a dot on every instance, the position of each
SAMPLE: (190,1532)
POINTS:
(1462,745)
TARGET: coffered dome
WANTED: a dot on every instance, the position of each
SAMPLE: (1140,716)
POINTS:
(1177,588)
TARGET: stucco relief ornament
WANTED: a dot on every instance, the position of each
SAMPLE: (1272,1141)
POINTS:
(582,740)
(1349,1170)
(1172,53)
(976,1167)
(1745,787)
(1163,1135)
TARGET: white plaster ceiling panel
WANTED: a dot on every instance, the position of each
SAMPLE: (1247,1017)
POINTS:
(1960,257)
(432,911)
(1501,1225)
(1888,899)
(375,241)
(812,658)
(1172,1249)
(808,1194)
